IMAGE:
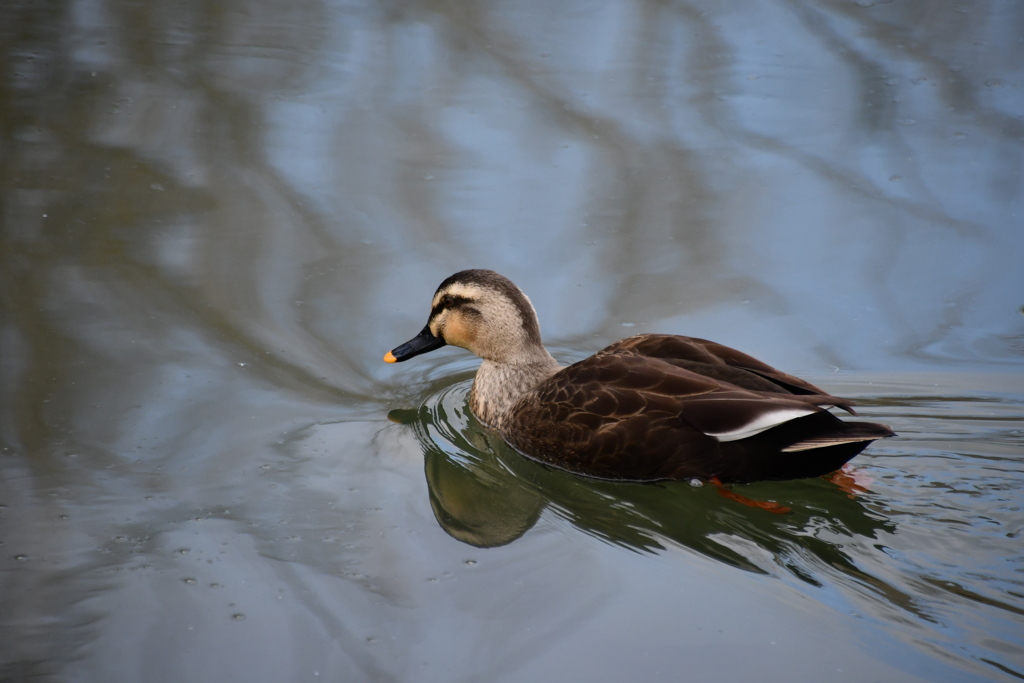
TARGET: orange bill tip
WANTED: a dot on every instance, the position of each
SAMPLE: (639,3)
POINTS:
(390,358)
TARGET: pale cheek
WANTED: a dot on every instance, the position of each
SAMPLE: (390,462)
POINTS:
(439,325)
(457,333)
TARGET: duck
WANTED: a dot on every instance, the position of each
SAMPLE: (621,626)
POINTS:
(650,407)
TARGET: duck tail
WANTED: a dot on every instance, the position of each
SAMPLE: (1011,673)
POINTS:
(851,432)
(805,447)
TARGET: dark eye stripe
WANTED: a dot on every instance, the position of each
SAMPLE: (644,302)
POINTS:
(451,301)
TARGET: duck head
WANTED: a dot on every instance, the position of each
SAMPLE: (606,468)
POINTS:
(482,312)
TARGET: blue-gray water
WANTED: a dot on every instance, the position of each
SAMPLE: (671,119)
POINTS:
(216,218)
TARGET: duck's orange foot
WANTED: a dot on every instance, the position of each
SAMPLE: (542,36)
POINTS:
(850,481)
(766,505)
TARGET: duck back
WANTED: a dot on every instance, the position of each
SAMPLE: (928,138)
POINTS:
(664,407)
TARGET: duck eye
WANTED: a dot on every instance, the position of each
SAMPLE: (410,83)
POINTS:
(451,302)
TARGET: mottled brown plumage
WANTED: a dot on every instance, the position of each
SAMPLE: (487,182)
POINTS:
(649,407)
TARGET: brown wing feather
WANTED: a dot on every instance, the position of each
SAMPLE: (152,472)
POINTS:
(658,406)
(629,416)
(720,361)
(612,416)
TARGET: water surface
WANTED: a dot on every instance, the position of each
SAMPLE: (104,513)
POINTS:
(217,218)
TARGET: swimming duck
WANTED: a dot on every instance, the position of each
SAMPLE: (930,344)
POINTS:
(646,408)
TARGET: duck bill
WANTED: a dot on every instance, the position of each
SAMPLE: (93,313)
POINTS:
(421,343)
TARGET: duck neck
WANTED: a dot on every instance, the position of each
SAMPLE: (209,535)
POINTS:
(498,385)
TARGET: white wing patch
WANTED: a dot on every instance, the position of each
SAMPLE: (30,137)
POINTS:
(762,423)
(811,444)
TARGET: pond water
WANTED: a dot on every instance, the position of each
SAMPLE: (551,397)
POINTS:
(218,216)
